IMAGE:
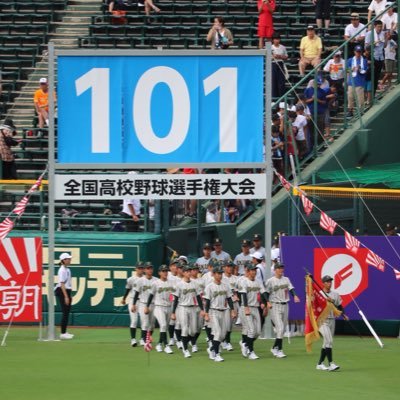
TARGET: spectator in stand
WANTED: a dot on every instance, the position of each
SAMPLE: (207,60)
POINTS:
(355,28)
(323,13)
(279,71)
(389,20)
(231,210)
(131,211)
(336,67)
(265,21)
(219,36)
(333,106)
(190,205)
(118,9)
(41,102)
(322,104)
(7,131)
(310,50)
(357,67)
(378,37)
(390,59)
(301,125)
(277,147)
(376,7)
(368,83)
(301,99)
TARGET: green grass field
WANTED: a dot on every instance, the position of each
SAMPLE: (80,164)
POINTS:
(99,364)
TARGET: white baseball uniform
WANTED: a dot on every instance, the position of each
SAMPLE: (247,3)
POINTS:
(162,291)
(253,289)
(278,289)
(144,287)
(131,284)
(327,329)
(218,295)
(186,292)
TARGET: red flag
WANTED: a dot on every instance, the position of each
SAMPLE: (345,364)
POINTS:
(396,273)
(147,345)
(284,182)
(351,242)
(307,204)
(317,310)
(36,185)
(375,261)
(5,227)
(327,223)
(19,209)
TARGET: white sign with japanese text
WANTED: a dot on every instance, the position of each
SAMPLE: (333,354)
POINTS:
(160,186)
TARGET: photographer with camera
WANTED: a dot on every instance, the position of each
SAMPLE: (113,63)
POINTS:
(219,36)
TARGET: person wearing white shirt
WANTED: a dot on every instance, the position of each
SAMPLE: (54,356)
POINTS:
(301,123)
(356,29)
(390,58)
(63,292)
(131,211)
(376,7)
(378,37)
(389,20)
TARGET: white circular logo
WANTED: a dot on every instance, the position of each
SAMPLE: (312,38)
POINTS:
(345,271)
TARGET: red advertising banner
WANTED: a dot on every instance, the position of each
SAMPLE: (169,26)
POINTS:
(21,279)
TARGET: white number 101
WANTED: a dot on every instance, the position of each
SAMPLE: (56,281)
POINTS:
(98,80)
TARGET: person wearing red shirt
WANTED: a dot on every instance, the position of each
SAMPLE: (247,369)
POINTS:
(265,23)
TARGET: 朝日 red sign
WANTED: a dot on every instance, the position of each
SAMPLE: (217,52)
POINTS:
(21,279)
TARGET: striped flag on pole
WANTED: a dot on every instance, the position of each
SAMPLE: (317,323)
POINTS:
(19,209)
(352,243)
(147,345)
(36,185)
(284,182)
(5,227)
(375,261)
(327,223)
(396,274)
(307,204)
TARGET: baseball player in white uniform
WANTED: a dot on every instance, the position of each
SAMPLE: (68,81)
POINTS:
(229,279)
(218,253)
(216,295)
(199,282)
(327,329)
(257,238)
(130,288)
(241,315)
(277,290)
(187,295)
(161,291)
(243,257)
(252,294)
(175,275)
(142,292)
(202,262)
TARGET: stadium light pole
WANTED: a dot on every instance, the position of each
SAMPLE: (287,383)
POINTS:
(51,223)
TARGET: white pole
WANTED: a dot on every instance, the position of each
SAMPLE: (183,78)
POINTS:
(371,329)
(267,331)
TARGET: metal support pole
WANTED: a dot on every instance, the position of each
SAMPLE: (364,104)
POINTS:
(51,203)
(267,332)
